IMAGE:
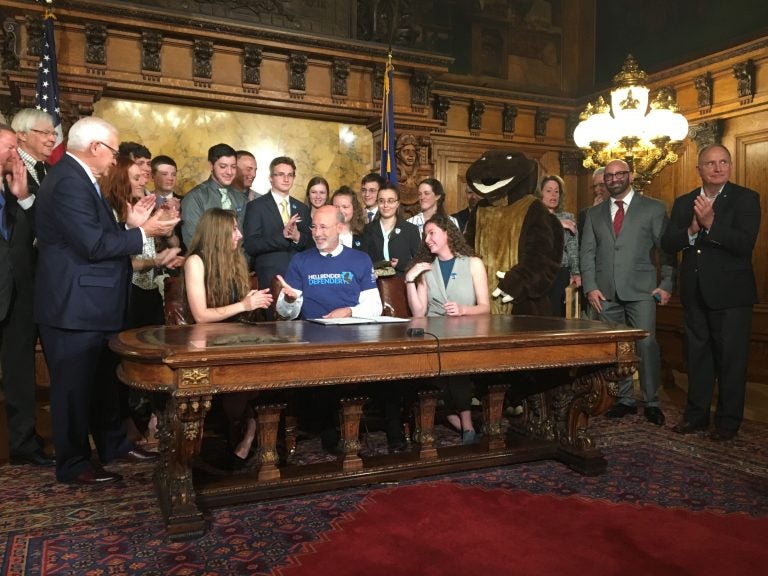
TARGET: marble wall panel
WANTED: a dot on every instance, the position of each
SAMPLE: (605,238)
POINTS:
(342,153)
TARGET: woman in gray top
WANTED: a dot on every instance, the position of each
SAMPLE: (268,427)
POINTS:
(447,279)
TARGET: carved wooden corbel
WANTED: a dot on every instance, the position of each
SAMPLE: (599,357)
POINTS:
(297,79)
(508,118)
(440,107)
(340,73)
(252,57)
(540,124)
(151,46)
(476,110)
(744,72)
(202,69)
(703,85)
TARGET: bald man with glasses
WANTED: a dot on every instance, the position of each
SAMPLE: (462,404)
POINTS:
(618,274)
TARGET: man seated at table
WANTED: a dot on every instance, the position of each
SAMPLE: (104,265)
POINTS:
(332,281)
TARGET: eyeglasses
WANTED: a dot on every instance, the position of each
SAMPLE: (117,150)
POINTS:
(616,175)
(388,201)
(46,133)
(284,174)
(319,227)
(115,153)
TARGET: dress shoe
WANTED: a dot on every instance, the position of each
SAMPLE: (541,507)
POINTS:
(722,435)
(94,475)
(621,410)
(654,415)
(138,454)
(685,427)
(36,458)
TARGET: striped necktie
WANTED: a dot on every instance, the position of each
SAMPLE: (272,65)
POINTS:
(618,219)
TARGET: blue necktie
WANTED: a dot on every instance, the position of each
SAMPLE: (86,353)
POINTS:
(3,229)
(370,215)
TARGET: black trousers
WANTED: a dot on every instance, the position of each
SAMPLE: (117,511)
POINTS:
(17,354)
(717,350)
(84,399)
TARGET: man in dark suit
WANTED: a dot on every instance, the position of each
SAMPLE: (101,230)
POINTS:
(618,274)
(276,225)
(17,330)
(81,300)
(715,227)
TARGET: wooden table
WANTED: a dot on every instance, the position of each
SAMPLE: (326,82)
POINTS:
(576,364)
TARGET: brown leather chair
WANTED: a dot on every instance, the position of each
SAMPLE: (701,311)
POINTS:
(393,296)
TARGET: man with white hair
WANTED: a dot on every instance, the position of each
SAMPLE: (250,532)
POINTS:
(81,300)
(36,141)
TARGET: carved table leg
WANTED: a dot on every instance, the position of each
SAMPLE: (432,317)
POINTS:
(493,407)
(181,435)
(351,412)
(425,424)
(267,420)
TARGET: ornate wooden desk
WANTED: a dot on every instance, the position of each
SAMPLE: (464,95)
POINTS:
(576,362)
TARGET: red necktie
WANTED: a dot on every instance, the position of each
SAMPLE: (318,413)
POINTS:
(619,218)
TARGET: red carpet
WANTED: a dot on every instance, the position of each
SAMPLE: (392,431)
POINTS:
(496,532)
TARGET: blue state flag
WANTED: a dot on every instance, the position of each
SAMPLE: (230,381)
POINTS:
(388,167)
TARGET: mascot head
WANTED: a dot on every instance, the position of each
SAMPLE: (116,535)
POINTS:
(501,173)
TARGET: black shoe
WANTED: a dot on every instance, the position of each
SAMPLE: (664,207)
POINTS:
(685,427)
(721,435)
(654,415)
(36,458)
(621,410)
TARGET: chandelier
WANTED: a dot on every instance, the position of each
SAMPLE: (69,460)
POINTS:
(626,132)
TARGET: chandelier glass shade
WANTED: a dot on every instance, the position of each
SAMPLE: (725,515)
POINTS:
(628,131)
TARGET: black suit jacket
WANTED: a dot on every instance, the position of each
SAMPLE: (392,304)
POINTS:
(84,271)
(720,261)
(404,241)
(263,239)
(17,254)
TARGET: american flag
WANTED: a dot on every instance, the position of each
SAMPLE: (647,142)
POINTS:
(47,92)
(388,168)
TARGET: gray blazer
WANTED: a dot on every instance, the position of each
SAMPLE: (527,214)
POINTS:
(624,268)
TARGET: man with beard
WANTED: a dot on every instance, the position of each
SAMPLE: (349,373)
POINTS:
(618,274)
(216,192)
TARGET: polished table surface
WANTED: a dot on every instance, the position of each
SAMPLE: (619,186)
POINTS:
(576,362)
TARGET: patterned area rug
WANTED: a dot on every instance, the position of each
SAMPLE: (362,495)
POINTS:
(48,528)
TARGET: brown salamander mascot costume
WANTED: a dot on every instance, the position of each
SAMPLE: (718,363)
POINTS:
(520,242)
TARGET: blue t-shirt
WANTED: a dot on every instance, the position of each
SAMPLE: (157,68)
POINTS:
(330,283)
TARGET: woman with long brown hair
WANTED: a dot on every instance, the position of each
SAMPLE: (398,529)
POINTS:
(217,288)
(447,279)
